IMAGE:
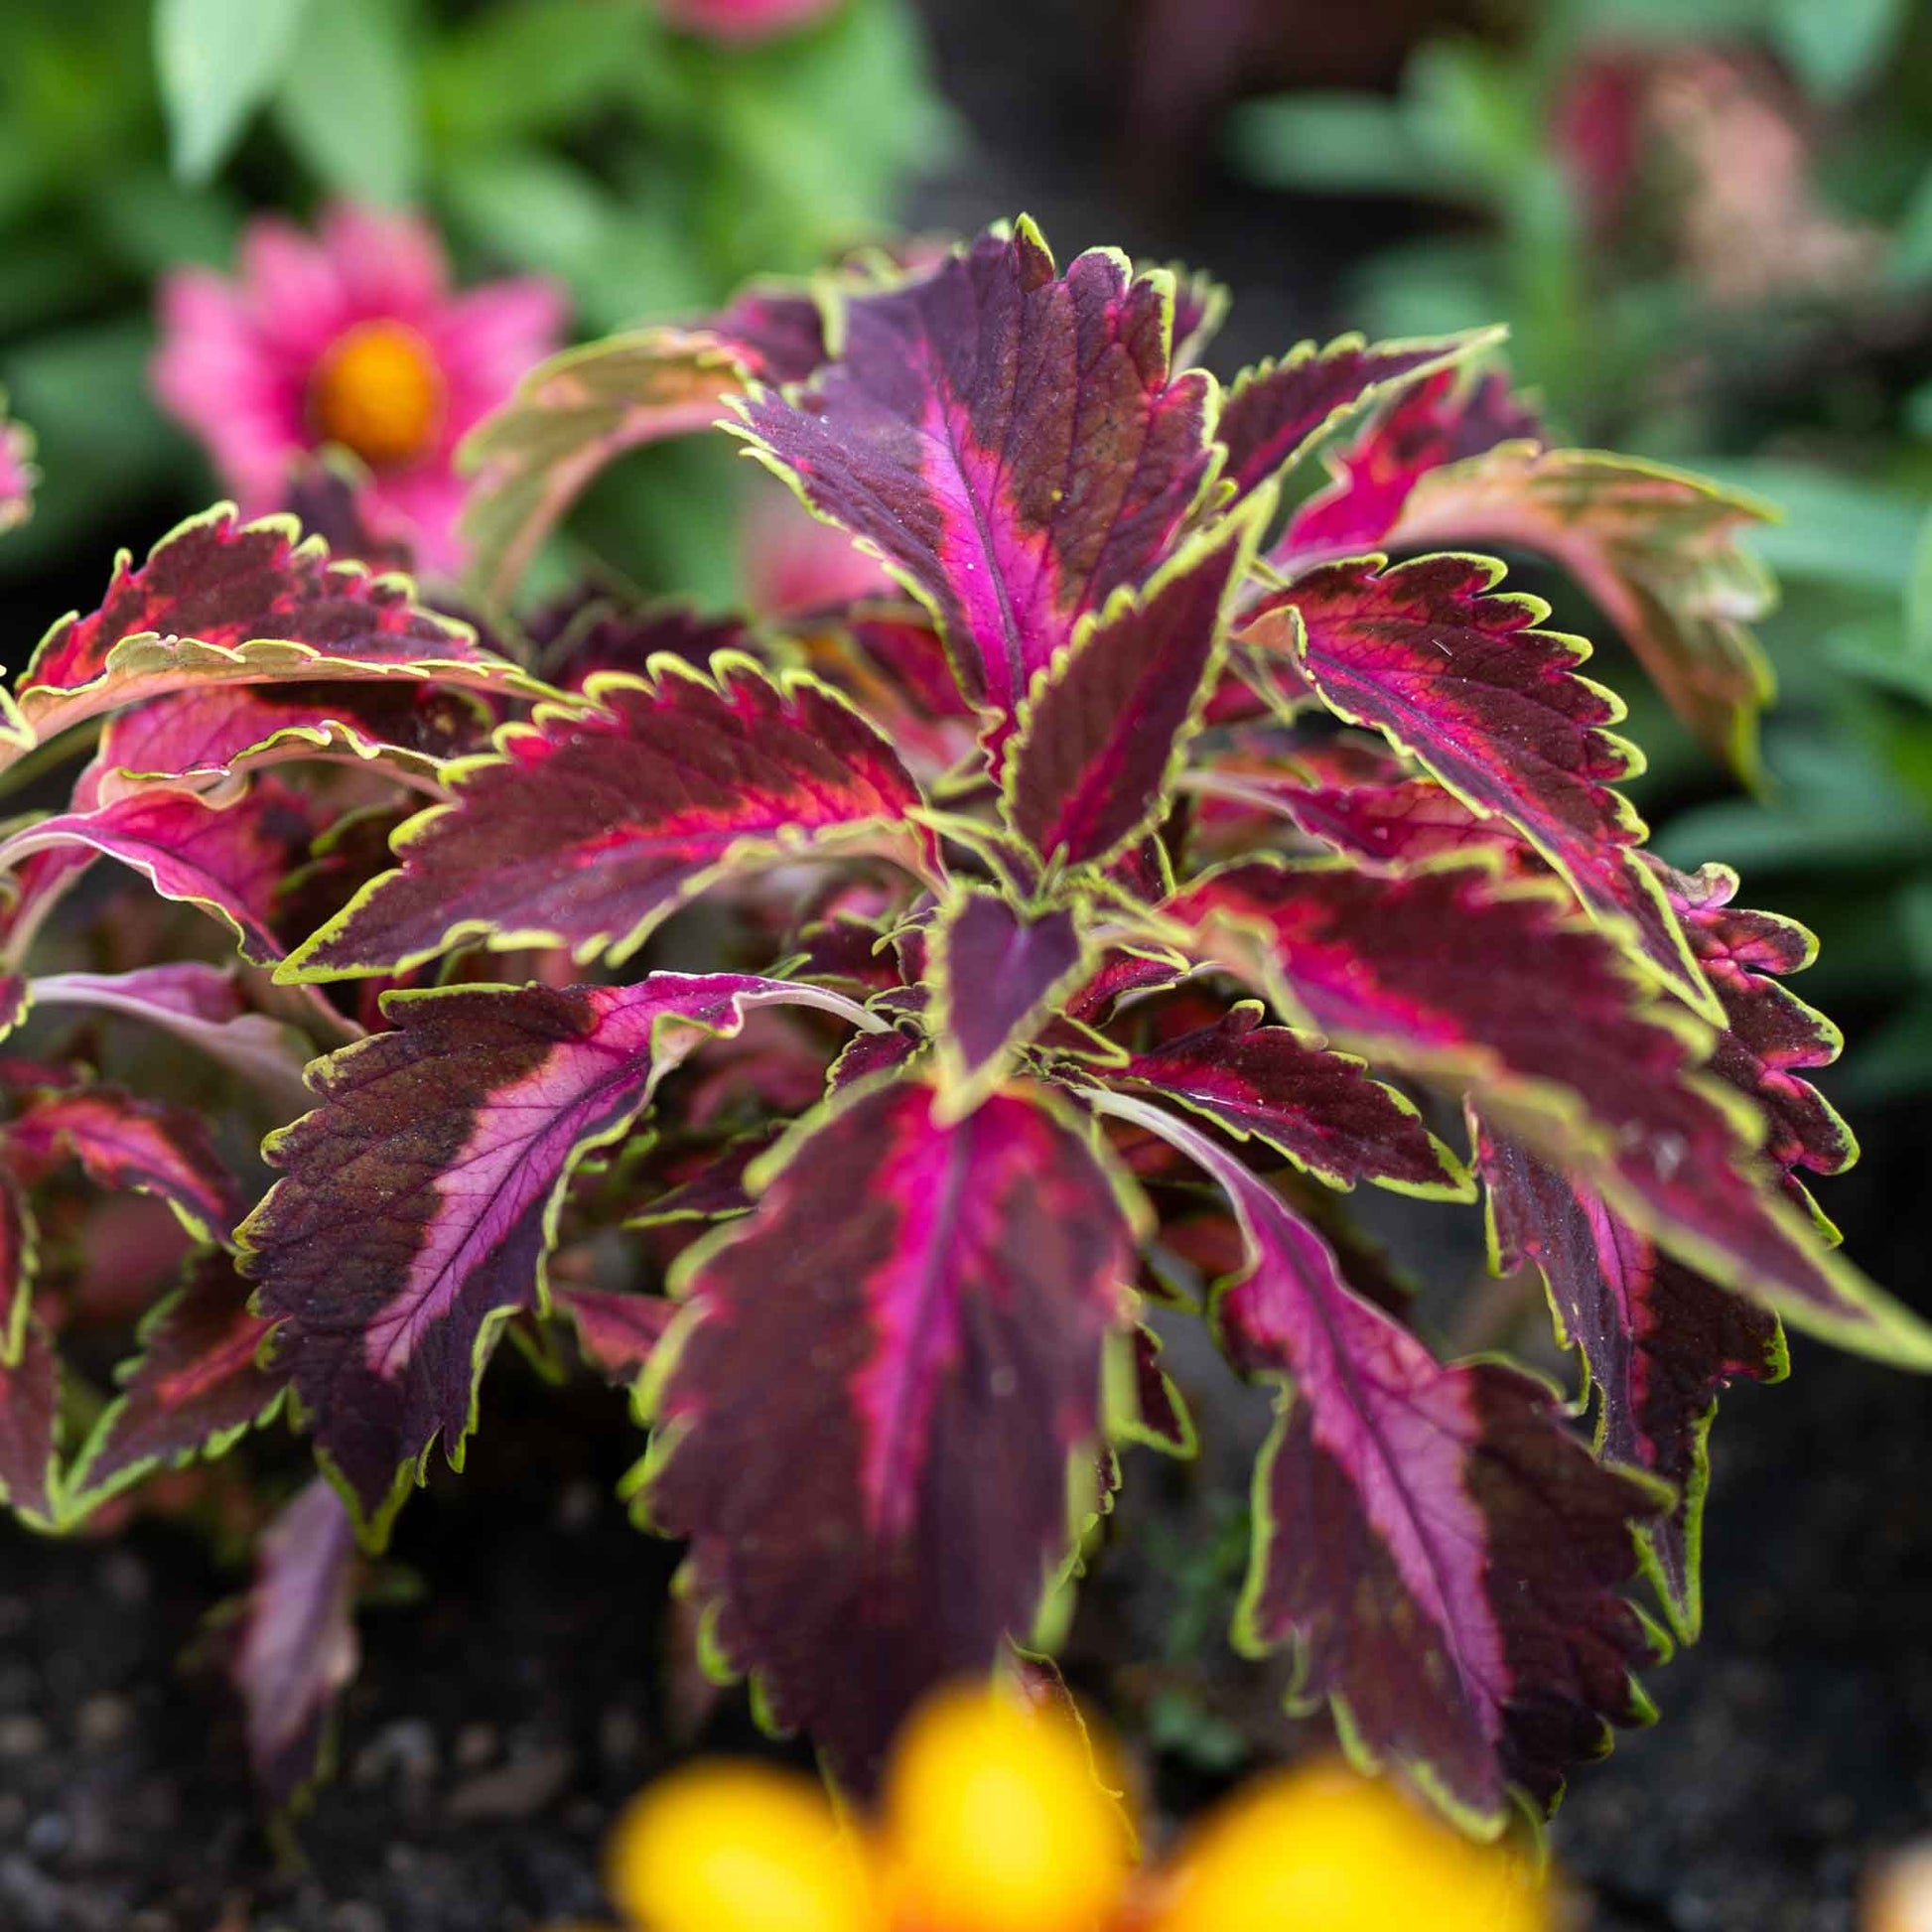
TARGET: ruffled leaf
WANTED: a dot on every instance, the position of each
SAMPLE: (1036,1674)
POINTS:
(295,1648)
(1770,1037)
(1444,1555)
(230,858)
(1316,1107)
(1494,992)
(574,414)
(1658,1339)
(127,1144)
(194,1387)
(1013,442)
(880,1522)
(615,1330)
(220,602)
(591,827)
(1463,681)
(1655,548)
(197,736)
(417,1203)
(199,1004)
(1105,727)
(1439,421)
(1278,410)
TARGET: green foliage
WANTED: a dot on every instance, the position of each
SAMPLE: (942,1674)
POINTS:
(650,172)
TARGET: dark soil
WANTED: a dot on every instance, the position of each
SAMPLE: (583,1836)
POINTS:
(500,1719)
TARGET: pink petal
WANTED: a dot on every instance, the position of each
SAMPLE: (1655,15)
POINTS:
(388,264)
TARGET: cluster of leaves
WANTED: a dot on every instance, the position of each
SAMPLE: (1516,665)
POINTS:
(644,165)
(1583,145)
(1080,925)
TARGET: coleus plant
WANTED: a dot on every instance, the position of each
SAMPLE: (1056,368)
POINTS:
(1087,913)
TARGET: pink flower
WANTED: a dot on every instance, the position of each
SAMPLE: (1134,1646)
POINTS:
(743,19)
(355,338)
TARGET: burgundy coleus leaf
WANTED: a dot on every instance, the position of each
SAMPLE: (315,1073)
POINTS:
(220,602)
(591,827)
(1201,306)
(583,636)
(1105,727)
(1656,549)
(417,1202)
(574,415)
(194,1387)
(1464,681)
(1000,971)
(880,1521)
(615,1330)
(1318,1108)
(1158,1415)
(295,1646)
(29,1427)
(1770,1037)
(229,856)
(1497,993)
(1658,1339)
(125,1143)
(1441,421)
(715,1187)
(1395,825)
(873,1054)
(1014,443)
(202,736)
(1444,1557)
(1278,410)
(201,1004)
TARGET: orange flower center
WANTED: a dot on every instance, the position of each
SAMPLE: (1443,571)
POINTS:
(378,392)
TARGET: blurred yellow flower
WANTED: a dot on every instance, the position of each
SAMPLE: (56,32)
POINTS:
(993,1820)
(1324,1849)
(738,1848)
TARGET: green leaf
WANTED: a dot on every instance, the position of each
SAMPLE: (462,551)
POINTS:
(347,103)
(531,67)
(623,264)
(1835,529)
(1346,143)
(218,61)
(1918,594)
(1837,48)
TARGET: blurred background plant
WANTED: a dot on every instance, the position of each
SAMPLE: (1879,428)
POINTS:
(647,155)
(1708,224)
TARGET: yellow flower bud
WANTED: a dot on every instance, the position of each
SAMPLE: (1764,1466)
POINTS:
(994,1822)
(1322,1849)
(736,1847)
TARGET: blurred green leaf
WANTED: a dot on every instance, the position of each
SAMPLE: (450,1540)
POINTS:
(1836,529)
(622,263)
(531,67)
(218,61)
(1837,46)
(1356,144)
(154,222)
(1910,259)
(101,443)
(1895,1060)
(347,104)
